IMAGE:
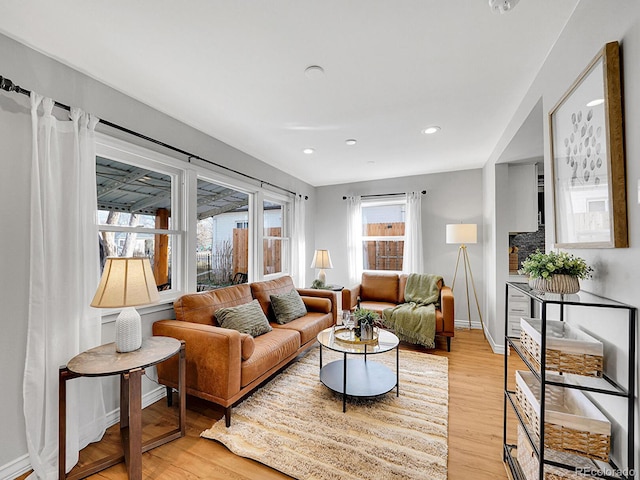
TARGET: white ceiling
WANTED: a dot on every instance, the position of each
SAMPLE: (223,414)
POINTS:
(234,69)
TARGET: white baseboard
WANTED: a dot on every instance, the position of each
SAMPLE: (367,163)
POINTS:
(15,468)
(475,324)
(22,465)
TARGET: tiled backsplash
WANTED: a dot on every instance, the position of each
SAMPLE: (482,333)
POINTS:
(527,243)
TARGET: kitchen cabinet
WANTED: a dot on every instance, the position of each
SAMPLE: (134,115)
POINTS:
(523,198)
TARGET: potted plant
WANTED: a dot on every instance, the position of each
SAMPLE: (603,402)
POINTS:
(555,272)
(365,319)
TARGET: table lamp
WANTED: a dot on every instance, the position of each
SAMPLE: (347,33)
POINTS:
(321,260)
(463,233)
(126,282)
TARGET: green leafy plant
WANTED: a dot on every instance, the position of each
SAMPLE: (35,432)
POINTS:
(364,316)
(546,265)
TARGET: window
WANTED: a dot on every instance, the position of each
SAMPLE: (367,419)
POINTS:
(135,201)
(200,230)
(275,251)
(222,244)
(383,235)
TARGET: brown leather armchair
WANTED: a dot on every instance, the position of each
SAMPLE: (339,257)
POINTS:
(378,291)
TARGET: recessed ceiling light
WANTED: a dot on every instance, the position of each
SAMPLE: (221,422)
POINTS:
(371,162)
(351,141)
(314,71)
(431,130)
(597,101)
(308,151)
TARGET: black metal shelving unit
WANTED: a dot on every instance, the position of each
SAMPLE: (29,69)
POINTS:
(603,385)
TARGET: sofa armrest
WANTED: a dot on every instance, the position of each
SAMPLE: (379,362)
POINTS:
(350,297)
(317,304)
(447,307)
(319,293)
(213,356)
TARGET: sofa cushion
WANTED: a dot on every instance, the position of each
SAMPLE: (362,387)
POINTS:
(201,307)
(271,349)
(262,292)
(287,306)
(377,307)
(381,287)
(308,326)
(248,318)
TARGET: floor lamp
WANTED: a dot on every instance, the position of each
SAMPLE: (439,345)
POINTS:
(463,233)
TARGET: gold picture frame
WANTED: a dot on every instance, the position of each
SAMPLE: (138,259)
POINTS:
(586,135)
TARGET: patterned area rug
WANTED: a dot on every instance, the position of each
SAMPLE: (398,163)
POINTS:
(295,424)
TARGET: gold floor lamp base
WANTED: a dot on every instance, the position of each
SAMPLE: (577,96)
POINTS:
(467,273)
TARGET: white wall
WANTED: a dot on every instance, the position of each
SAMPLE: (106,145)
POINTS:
(48,77)
(617,274)
(452,197)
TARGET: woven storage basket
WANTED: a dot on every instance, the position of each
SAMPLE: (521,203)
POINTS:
(529,462)
(573,424)
(569,350)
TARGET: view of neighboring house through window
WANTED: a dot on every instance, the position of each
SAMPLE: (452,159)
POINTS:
(222,249)
(383,227)
(275,238)
(134,214)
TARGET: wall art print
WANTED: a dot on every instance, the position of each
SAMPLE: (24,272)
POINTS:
(588,160)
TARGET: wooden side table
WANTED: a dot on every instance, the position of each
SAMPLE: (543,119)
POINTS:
(103,361)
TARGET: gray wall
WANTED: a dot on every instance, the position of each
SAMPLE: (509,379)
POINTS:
(48,77)
(617,274)
(451,197)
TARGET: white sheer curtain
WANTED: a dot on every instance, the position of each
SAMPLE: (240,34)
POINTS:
(413,254)
(354,239)
(298,262)
(64,274)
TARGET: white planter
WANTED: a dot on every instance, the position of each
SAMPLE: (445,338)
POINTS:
(556,284)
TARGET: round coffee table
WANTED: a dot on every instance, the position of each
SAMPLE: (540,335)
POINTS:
(358,376)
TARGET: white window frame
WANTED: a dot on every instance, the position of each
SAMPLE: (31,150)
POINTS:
(131,154)
(382,238)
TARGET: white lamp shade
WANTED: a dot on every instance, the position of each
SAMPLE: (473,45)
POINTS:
(126,282)
(462,233)
(321,259)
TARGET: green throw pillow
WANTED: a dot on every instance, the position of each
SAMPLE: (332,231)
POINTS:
(247,318)
(288,306)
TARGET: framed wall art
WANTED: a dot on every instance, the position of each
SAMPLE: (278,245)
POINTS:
(588,159)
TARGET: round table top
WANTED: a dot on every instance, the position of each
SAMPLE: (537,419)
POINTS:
(104,360)
(386,341)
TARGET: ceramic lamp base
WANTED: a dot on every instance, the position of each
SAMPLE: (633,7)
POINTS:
(322,276)
(128,330)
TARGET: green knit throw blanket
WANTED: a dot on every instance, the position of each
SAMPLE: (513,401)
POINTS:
(415,320)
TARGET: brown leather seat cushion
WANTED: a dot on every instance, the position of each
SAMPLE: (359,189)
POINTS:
(308,326)
(270,349)
(201,307)
(377,306)
(379,287)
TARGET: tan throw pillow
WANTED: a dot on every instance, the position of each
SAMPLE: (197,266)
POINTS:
(287,306)
(247,318)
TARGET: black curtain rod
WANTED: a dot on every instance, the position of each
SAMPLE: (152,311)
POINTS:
(9,86)
(423,192)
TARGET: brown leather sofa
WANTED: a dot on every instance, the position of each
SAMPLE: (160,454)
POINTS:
(224,365)
(378,291)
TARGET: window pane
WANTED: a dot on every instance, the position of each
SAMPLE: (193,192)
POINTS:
(383,255)
(272,256)
(273,232)
(136,244)
(222,255)
(383,221)
(132,196)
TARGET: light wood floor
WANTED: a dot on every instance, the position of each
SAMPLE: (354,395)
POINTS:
(475,426)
